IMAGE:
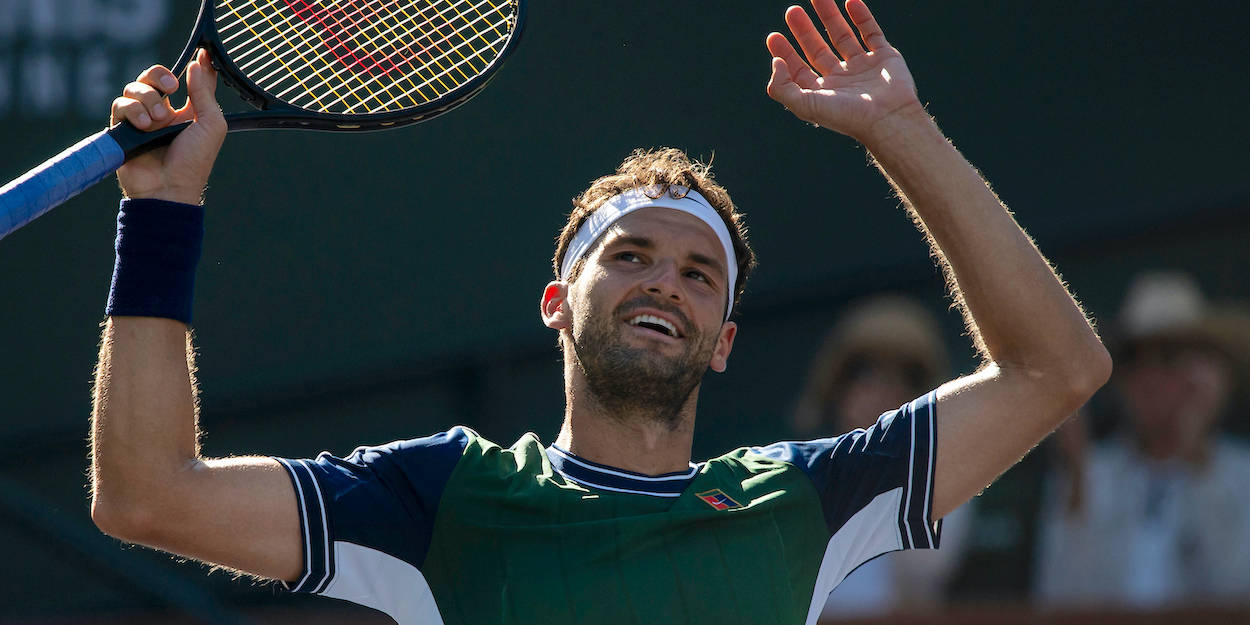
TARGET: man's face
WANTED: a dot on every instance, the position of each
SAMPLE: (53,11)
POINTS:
(1174,390)
(873,383)
(647,312)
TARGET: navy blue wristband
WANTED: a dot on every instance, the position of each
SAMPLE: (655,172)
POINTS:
(158,246)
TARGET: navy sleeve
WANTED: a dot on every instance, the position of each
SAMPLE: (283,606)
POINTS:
(861,467)
(383,498)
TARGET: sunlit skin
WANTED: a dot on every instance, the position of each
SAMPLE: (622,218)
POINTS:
(675,261)
(857,94)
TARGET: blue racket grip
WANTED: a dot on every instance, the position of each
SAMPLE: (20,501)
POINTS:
(58,179)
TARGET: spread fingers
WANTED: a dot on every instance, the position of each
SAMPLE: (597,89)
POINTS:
(818,53)
(780,47)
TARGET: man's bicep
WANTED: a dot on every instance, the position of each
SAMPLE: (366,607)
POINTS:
(986,422)
(284,519)
(241,513)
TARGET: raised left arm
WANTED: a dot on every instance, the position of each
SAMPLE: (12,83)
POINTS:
(1042,359)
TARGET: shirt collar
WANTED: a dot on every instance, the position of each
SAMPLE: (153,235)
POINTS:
(603,477)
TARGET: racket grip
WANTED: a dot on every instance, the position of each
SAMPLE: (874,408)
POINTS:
(58,179)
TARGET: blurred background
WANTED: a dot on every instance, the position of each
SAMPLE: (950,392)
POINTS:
(356,289)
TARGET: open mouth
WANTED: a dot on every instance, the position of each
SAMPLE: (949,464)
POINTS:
(655,324)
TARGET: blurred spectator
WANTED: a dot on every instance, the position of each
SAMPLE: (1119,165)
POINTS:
(1158,515)
(883,353)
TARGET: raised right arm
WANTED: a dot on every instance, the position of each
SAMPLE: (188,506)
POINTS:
(1041,357)
(149,484)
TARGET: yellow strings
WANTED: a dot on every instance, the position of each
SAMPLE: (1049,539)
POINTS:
(391,26)
(298,51)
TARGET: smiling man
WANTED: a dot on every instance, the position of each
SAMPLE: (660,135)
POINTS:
(612,523)
(648,270)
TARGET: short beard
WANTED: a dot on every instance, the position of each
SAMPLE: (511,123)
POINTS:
(631,381)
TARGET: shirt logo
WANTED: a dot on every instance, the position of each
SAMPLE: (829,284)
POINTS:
(718,500)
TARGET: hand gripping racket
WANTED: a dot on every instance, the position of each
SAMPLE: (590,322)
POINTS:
(342,65)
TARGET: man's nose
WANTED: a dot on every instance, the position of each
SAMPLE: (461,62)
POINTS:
(663,281)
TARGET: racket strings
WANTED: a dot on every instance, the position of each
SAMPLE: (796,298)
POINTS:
(271,44)
(470,49)
(349,60)
(346,58)
(429,77)
(363,56)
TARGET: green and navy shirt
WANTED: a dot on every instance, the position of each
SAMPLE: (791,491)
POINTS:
(455,529)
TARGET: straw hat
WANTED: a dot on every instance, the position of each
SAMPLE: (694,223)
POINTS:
(886,326)
(1168,308)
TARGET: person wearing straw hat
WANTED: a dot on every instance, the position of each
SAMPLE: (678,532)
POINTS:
(1157,515)
(883,351)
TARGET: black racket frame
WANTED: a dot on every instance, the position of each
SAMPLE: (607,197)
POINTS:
(274,114)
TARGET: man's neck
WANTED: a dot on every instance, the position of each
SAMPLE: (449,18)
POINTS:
(635,442)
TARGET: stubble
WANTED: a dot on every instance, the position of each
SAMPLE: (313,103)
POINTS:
(639,382)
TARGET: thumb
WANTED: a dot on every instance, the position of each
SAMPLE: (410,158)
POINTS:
(202,91)
(781,86)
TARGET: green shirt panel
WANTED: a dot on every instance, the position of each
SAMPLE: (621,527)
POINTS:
(515,543)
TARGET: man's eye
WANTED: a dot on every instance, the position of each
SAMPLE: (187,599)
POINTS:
(628,257)
(698,275)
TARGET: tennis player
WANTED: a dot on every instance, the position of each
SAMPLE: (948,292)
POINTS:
(611,523)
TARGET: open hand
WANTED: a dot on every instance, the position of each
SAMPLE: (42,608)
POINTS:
(180,171)
(851,91)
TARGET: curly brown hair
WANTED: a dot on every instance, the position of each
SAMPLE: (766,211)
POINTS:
(663,167)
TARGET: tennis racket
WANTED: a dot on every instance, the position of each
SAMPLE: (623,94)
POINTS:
(338,65)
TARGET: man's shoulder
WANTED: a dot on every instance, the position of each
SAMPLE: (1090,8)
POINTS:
(748,462)
(415,457)
(486,465)
(448,445)
(775,456)
(461,445)
(794,467)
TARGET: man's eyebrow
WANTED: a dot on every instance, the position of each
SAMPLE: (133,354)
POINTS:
(630,241)
(708,261)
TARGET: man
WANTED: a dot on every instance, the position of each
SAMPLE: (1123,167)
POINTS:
(1155,516)
(612,523)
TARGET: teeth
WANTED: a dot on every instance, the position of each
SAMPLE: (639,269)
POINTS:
(653,320)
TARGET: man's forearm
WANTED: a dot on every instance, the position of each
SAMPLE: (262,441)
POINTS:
(143,419)
(148,484)
(1018,311)
(1042,358)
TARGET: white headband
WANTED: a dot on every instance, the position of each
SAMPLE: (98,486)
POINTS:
(629,201)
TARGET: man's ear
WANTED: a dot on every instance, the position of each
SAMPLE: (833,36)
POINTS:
(724,345)
(554,305)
